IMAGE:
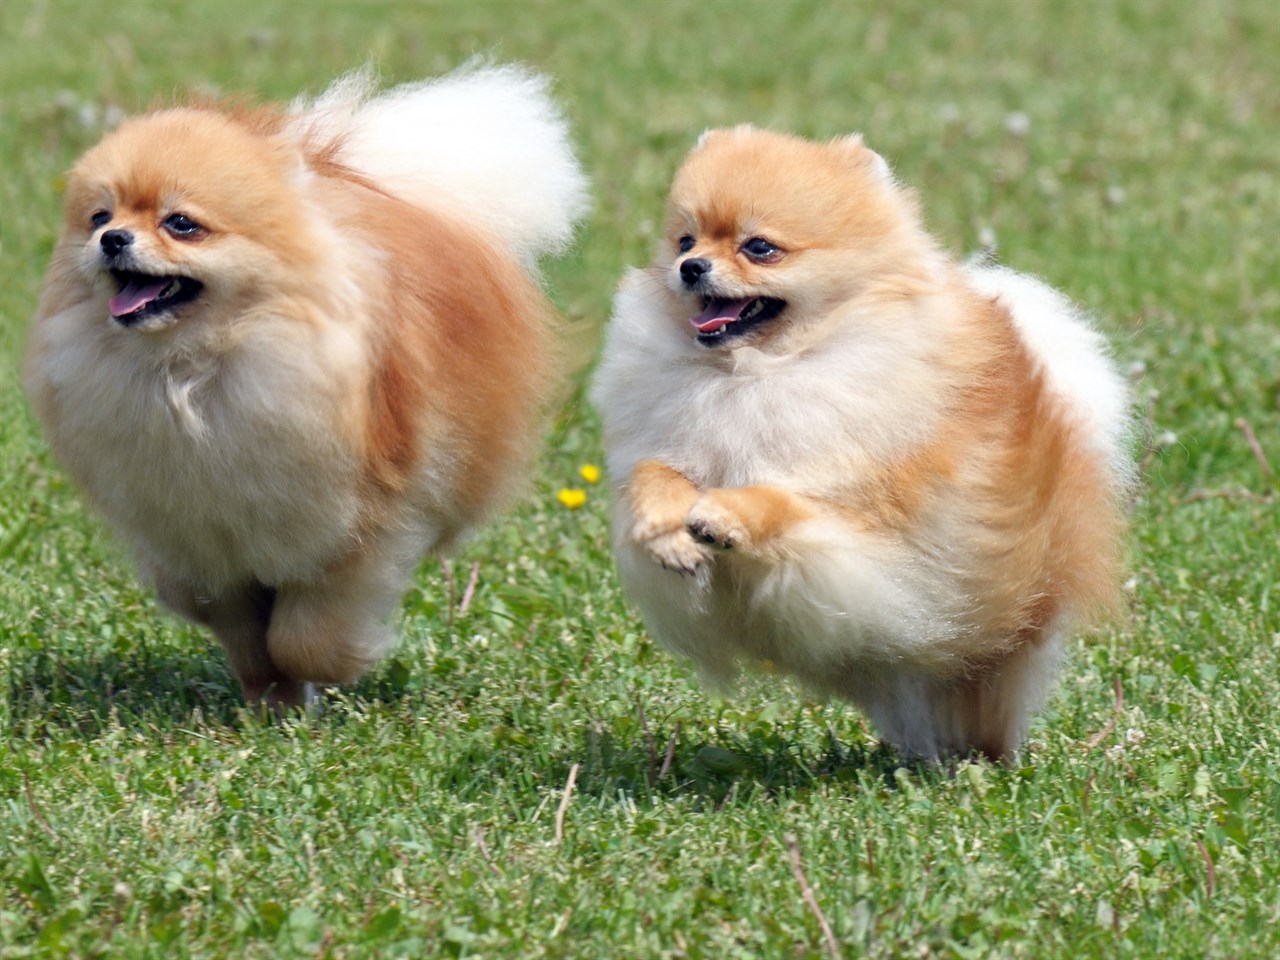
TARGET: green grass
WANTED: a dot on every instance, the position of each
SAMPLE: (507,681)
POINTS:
(145,813)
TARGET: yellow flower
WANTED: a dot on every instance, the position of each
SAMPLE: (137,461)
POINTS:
(590,472)
(572,498)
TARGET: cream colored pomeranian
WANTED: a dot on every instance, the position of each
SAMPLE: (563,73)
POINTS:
(288,353)
(840,453)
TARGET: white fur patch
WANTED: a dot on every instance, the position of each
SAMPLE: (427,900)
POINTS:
(746,417)
(667,397)
(174,455)
(881,620)
(486,144)
(1073,355)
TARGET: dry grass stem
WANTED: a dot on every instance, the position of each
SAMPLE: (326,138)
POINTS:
(564,802)
(470,590)
(484,851)
(1118,709)
(1251,438)
(671,753)
(794,848)
(1210,879)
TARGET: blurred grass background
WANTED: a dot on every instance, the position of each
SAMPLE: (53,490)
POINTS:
(1128,152)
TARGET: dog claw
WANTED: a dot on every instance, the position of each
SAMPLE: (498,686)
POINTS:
(677,552)
(701,531)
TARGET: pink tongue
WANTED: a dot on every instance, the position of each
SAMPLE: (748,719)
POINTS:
(719,314)
(137,295)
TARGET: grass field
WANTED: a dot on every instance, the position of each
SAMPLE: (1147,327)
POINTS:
(1128,152)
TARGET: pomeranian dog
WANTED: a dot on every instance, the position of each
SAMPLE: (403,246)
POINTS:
(838,453)
(287,353)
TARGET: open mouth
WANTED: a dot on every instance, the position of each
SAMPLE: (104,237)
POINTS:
(143,296)
(723,320)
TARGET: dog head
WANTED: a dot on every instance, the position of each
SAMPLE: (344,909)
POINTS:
(766,231)
(186,212)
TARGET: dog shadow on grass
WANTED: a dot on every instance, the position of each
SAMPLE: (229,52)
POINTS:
(88,691)
(173,688)
(753,765)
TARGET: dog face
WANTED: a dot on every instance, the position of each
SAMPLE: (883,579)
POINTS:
(185,213)
(766,231)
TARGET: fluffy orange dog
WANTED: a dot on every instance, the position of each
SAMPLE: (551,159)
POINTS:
(837,451)
(287,353)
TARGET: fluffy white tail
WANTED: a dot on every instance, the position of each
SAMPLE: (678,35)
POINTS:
(486,144)
(1074,356)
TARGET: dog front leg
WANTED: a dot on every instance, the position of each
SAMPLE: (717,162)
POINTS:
(238,617)
(331,629)
(660,498)
(753,521)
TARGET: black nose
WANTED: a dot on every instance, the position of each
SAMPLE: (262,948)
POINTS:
(113,241)
(691,270)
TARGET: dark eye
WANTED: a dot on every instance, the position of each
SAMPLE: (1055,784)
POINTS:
(181,225)
(100,219)
(686,243)
(758,248)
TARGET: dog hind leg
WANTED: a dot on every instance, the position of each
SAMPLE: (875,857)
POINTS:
(986,711)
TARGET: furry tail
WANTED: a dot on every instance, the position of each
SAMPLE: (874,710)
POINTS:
(1075,358)
(486,144)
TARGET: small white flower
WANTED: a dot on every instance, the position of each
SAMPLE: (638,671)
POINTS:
(1017,124)
(986,237)
(1167,438)
(1115,195)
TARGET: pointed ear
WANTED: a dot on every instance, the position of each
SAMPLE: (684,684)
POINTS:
(706,135)
(881,167)
(856,148)
(713,132)
(288,149)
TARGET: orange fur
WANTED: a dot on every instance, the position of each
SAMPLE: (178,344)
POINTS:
(747,519)
(449,346)
(660,499)
(358,378)
(913,498)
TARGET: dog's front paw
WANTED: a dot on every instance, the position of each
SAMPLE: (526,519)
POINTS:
(712,522)
(676,550)
(650,526)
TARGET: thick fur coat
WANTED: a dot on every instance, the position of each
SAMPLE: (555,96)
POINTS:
(287,353)
(837,451)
